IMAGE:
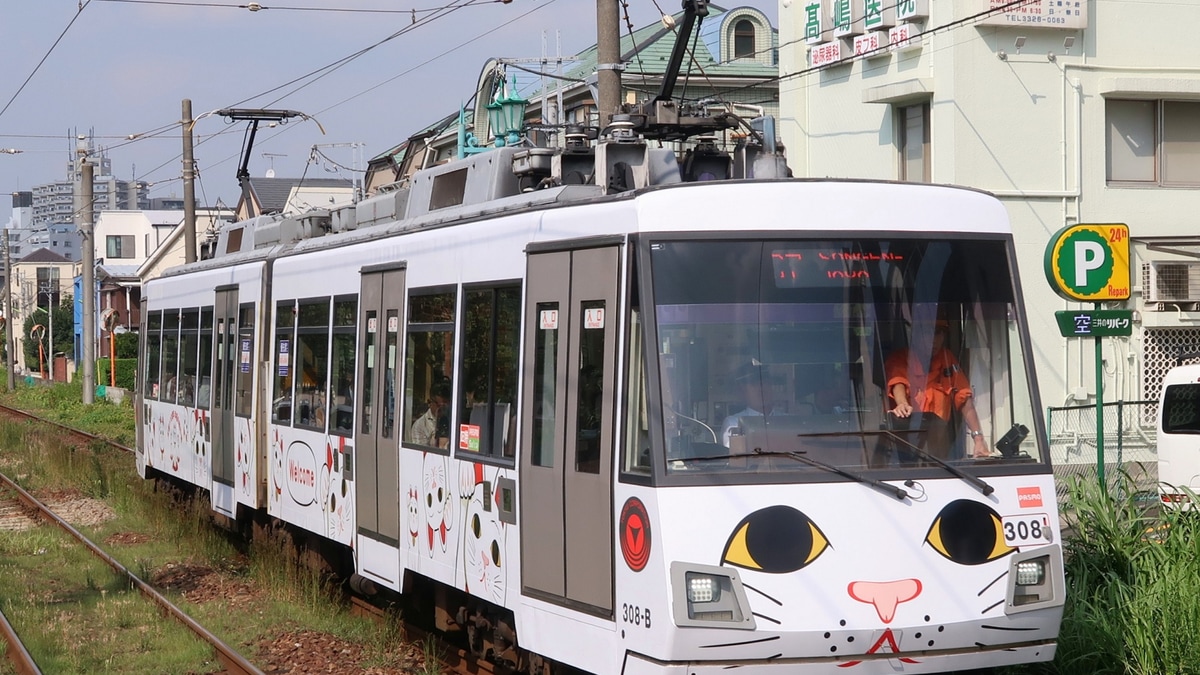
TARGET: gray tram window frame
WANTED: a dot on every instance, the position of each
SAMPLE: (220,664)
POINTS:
(307,309)
(153,351)
(346,333)
(204,364)
(545,387)
(170,323)
(413,327)
(589,390)
(484,386)
(281,389)
(243,399)
(189,330)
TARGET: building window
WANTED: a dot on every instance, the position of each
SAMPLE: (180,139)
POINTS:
(119,246)
(743,39)
(1153,142)
(912,140)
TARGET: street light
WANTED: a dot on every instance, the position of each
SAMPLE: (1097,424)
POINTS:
(506,115)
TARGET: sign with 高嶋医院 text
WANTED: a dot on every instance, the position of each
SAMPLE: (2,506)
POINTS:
(1089,262)
(1035,13)
(1095,322)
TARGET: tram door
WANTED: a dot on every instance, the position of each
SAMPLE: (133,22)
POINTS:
(225,314)
(377,441)
(567,426)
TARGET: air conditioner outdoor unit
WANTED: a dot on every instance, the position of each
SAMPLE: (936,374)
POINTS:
(1172,282)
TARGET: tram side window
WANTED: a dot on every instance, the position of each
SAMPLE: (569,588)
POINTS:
(429,362)
(345,314)
(590,393)
(153,355)
(204,359)
(244,362)
(488,378)
(637,425)
(545,384)
(312,363)
(170,356)
(189,343)
(281,400)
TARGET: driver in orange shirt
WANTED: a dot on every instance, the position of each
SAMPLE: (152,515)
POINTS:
(933,390)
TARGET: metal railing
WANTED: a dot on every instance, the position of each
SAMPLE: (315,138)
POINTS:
(1129,441)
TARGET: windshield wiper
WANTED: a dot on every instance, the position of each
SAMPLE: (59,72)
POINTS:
(897,492)
(973,480)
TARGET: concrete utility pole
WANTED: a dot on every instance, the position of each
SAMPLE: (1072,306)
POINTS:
(9,362)
(608,59)
(189,186)
(88,287)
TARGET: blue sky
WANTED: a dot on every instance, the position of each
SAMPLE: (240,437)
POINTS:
(124,66)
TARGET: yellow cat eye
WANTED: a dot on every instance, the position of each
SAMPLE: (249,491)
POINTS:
(776,540)
(969,533)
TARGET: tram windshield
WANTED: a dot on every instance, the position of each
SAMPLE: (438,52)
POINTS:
(855,354)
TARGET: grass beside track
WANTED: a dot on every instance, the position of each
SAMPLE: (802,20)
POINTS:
(85,624)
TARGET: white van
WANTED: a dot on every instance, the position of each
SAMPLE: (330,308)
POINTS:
(1179,435)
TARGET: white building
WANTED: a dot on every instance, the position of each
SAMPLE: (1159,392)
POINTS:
(1071,111)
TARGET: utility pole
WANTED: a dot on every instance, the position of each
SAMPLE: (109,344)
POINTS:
(189,186)
(88,287)
(9,363)
(608,59)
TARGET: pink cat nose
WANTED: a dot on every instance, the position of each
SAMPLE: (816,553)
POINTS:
(885,595)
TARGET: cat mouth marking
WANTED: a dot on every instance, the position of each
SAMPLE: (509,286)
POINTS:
(885,644)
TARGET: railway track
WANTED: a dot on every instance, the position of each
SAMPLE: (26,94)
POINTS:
(233,662)
(27,512)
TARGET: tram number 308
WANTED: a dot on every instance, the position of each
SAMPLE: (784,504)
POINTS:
(635,615)
(1026,528)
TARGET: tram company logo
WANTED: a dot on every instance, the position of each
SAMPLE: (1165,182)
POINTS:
(635,534)
(1029,497)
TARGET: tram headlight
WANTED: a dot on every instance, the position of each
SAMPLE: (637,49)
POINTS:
(1031,572)
(710,596)
(1035,579)
(703,588)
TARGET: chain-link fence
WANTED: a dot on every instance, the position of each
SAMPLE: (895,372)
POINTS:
(1129,442)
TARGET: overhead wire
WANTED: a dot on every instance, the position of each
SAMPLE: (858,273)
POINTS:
(82,5)
(255,7)
(413,68)
(445,11)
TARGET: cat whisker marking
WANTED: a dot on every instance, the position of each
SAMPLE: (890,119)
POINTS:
(1011,628)
(764,616)
(991,607)
(740,644)
(777,602)
(991,583)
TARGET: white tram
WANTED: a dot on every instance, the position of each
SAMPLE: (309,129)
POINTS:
(606,415)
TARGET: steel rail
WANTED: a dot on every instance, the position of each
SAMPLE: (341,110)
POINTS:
(20,658)
(229,658)
(72,430)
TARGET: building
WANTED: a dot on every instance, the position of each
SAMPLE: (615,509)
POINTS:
(39,281)
(60,201)
(290,196)
(1071,112)
(130,247)
(735,62)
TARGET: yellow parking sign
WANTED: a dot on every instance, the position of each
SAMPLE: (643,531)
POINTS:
(1089,262)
